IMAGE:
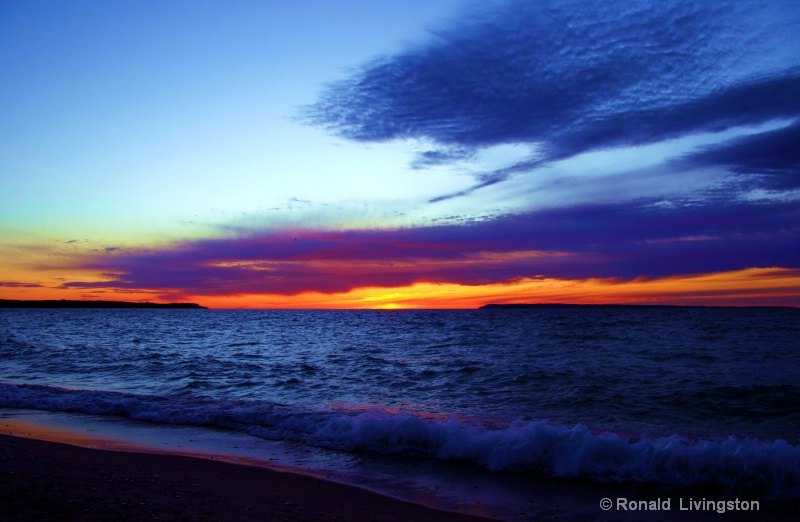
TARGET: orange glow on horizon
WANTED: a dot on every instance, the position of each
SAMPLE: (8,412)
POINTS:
(754,286)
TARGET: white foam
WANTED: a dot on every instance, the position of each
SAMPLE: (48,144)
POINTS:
(772,468)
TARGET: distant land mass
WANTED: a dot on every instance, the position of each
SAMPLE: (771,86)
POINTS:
(564,305)
(64,303)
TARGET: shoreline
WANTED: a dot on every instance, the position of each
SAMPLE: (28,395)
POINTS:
(52,472)
(612,306)
(76,478)
(417,481)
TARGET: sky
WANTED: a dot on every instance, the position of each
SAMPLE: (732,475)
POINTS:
(400,154)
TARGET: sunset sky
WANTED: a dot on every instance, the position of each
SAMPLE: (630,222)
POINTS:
(400,154)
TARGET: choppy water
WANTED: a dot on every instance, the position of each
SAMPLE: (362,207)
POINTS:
(674,396)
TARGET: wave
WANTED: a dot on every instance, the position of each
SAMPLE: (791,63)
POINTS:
(771,469)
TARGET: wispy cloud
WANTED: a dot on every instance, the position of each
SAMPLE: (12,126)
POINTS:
(770,160)
(430,158)
(15,284)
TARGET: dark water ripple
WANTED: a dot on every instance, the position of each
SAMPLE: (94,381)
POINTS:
(699,372)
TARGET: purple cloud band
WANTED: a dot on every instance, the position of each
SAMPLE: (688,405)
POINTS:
(644,239)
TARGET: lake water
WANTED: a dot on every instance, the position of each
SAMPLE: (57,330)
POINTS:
(673,397)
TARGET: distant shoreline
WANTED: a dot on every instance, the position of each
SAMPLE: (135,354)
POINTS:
(620,305)
(64,303)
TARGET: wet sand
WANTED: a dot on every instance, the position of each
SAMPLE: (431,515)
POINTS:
(49,473)
(41,480)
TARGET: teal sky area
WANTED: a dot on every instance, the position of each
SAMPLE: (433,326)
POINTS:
(139,118)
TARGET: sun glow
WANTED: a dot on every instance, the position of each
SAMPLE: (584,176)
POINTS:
(754,286)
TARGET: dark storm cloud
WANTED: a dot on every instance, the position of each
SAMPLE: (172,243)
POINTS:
(648,239)
(575,76)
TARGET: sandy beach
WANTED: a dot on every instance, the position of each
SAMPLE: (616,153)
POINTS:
(43,480)
(51,473)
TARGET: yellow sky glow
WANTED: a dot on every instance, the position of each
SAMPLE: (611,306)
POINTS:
(753,286)
(743,287)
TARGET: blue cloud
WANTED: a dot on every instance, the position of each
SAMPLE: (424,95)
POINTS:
(573,76)
(432,158)
(769,160)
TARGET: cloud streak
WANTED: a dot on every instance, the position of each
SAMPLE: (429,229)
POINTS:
(16,284)
(770,159)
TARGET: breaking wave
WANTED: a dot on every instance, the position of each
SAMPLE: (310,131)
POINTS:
(771,469)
